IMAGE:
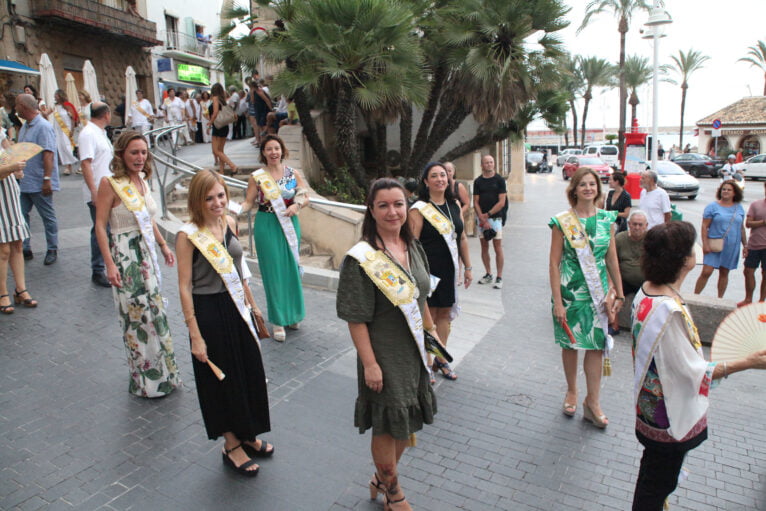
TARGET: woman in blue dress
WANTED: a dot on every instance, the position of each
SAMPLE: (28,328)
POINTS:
(722,219)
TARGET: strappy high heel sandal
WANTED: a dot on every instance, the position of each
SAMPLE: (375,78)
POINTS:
(400,503)
(441,367)
(26,302)
(376,486)
(7,309)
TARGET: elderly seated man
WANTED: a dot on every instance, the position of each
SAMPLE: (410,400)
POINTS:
(629,245)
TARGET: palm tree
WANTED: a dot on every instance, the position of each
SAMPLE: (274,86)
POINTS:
(572,83)
(596,72)
(623,10)
(637,73)
(684,64)
(757,58)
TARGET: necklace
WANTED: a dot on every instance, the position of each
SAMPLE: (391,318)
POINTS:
(675,291)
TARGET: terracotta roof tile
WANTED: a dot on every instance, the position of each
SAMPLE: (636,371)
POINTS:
(750,110)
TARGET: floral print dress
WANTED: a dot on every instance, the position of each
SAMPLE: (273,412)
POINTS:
(140,307)
(581,313)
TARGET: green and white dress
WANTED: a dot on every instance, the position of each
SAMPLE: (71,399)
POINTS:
(149,347)
(582,317)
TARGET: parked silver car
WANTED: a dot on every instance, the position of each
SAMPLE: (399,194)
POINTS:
(566,153)
(676,181)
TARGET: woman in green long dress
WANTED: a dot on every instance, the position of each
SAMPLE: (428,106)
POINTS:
(276,258)
(395,397)
(574,311)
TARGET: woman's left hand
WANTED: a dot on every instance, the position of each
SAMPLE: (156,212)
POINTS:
(467,278)
(613,305)
(292,210)
(744,251)
(170,259)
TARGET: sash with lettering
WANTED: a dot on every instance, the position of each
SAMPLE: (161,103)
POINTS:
(64,129)
(577,238)
(446,228)
(397,286)
(222,262)
(137,106)
(135,203)
(272,193)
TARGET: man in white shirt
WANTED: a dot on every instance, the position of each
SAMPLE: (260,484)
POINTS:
(141,114)
(654,200)
(95,156)
(191,114)
(174,113)
(233,102)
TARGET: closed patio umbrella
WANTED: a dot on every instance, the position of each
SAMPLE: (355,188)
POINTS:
(71,91)
(130,91)
(90,82)
(48,85)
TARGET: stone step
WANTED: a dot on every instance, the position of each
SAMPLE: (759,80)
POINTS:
(317,261)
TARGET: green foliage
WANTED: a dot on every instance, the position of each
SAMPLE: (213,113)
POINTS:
(611,137)
(342,188)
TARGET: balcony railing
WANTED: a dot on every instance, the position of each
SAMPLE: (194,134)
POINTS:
(98,17)
(186,43)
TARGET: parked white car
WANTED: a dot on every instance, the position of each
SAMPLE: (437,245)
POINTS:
(566,153)
(609,154)
(754,168)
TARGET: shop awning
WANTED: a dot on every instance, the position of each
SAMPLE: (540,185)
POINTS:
(184,85)
(9,66)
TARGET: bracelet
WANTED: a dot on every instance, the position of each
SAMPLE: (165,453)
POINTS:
(622,298)
(468,268)
(725,371)
(429,329)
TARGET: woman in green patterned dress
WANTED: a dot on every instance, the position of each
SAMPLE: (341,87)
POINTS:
(576,324)
(132,270)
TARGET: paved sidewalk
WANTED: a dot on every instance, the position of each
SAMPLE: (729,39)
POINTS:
(73,438)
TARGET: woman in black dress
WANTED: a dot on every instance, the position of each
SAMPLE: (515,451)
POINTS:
(236,407)
(618,200)
(218,101)
(435,191)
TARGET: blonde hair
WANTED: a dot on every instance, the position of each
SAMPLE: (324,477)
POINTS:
(84,95)
(202,182)
(118,162)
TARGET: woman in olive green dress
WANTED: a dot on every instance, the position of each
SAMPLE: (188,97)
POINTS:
(395,397)
(573,307)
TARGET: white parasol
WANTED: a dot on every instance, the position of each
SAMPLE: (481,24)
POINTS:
(71,91)
(48,85)
(130,92)
(90,83)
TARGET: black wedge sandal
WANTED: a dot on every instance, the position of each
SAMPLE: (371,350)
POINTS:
(243,468)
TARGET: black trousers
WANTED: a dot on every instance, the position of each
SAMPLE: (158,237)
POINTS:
(660,465)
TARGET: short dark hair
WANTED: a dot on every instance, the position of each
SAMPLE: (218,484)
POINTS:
(423,193)
(619,177)
(99,110)
(269,138)
(665,249)
(738,195)
(411,185)
(369,226)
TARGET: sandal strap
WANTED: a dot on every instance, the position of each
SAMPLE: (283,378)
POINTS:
(247,464)
(3,296)
(19,293)
(229,451)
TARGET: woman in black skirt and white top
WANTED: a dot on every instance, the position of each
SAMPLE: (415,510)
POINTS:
(215,311)
(435,192)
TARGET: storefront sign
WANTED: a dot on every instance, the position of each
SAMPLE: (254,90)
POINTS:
(190,73)
(738,132)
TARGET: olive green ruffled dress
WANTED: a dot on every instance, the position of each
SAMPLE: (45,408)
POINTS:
(407,400)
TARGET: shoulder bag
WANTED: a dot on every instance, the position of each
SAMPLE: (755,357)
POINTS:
(225,117)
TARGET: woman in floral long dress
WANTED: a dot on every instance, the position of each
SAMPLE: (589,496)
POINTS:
(133,270)
(573,306)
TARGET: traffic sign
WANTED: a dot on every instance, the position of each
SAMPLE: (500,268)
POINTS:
(716,132)
(717,124)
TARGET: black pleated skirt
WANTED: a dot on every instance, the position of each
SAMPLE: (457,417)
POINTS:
(239,403)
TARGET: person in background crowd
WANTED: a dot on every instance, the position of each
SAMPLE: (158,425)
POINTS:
(190,114)
(13,229)
(394,397)
(660,151)
(582,302)
(240,127)
(96,156)
(29,89)
(261,102)
(489,198)
(459,191)
(64,119)
(120,110)
(722,219)
(141,113)
(277,240)
(129,251)
(672,378)
(217,311)
(630,245)
(411,189)
(10,107)
(41,175)
(654,201)
(233,102)
(84,112)
(218,96)
(205,128)
(618,200)
(756,250)
(174,115)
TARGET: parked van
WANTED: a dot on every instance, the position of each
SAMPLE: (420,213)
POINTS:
(609,154)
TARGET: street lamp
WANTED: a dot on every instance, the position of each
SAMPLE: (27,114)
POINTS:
(657,18)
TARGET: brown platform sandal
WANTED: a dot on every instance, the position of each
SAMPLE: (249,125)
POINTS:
(27,302)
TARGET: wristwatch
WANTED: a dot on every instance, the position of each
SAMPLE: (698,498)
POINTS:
(46,178)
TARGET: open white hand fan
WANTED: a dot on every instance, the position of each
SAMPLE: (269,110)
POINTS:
(741,333)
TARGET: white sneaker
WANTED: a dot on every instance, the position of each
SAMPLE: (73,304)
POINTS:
(486,279)
(498,283)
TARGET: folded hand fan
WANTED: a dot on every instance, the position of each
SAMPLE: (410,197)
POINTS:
(741,333)
(19,152)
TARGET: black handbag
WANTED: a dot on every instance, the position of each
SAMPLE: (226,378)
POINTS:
(434,347)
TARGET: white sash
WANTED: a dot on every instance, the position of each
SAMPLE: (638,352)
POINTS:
(577,237)
(397,286)
(222,262)
(273,194)
(135,203)
(446,228)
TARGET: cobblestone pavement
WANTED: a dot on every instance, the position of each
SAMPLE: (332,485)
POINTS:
(73,438)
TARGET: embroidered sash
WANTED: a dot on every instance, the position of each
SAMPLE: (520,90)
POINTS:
(222,262)
(135,203)
(64,129)
(652,328)
(394,283)
(443,226)
(273,194)
(577,238)
(137,106)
